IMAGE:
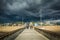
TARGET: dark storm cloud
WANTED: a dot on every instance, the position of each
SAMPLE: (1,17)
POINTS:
(15,9)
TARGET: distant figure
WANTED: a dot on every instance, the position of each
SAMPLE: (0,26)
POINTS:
(27,25)
(31,25)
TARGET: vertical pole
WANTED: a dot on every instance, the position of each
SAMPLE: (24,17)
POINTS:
(22,20)
(41,16)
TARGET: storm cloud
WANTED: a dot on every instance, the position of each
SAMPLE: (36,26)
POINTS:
(15,10)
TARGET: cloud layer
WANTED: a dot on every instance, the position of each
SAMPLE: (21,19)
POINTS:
(15,10)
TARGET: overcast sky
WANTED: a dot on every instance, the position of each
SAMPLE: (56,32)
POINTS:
(14,10)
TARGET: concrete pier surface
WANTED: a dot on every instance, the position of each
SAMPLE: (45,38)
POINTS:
(30,34)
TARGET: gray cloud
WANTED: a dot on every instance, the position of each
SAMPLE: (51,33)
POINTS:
(15,9)
(17,6)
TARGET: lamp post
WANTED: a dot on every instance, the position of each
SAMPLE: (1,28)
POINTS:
(41,17)
(22,20)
